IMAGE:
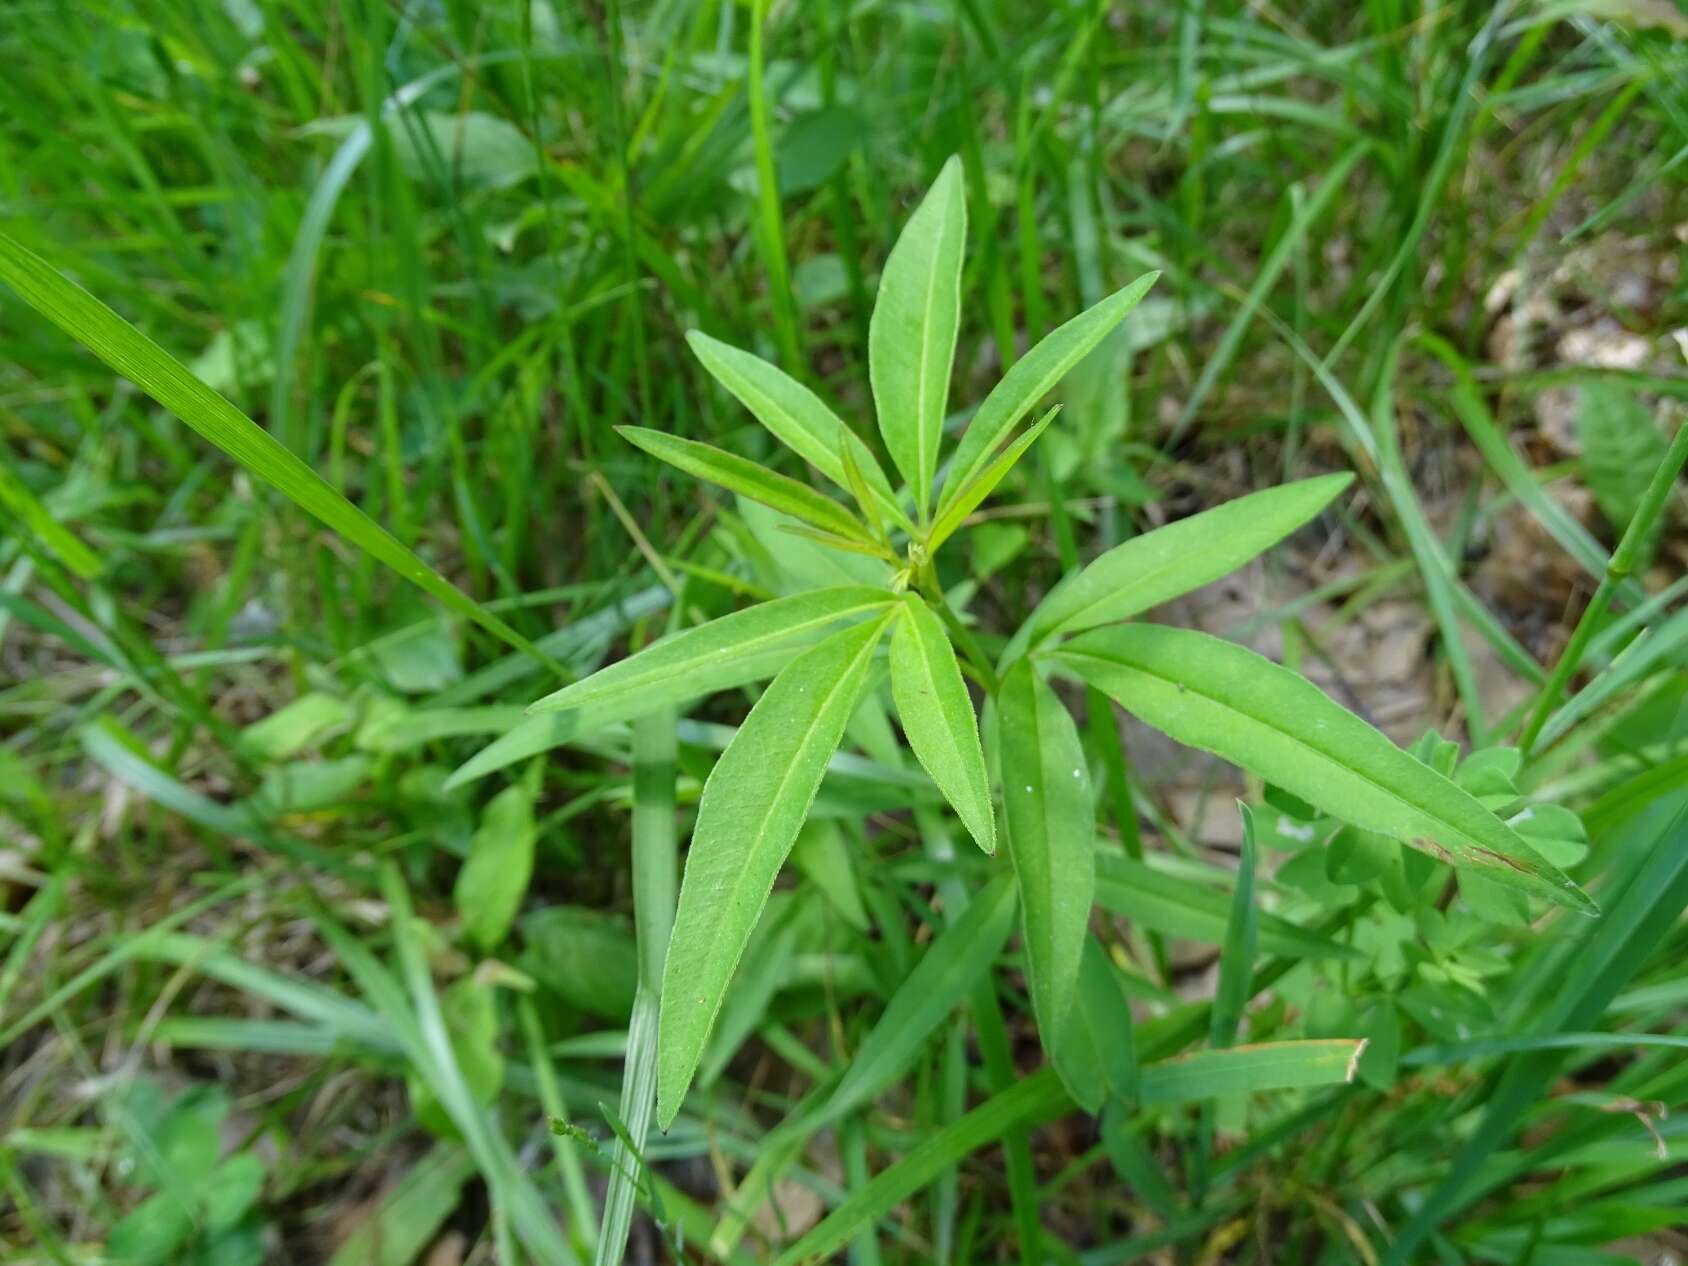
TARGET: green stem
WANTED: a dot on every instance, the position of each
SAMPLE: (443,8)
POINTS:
(1623,562)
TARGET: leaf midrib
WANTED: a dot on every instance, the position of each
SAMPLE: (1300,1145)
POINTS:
(1365,777)
(743,650)
(803,745)
(922,479)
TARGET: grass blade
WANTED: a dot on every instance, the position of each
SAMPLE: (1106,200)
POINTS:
(654,865)
(1039,1098)
(1620,943)
(1166,903)
(945,974)
(164,378)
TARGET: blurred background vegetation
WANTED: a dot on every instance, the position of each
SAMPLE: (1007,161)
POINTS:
(439,249)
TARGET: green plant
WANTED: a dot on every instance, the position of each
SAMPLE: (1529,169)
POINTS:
(202,1206)
(820,647)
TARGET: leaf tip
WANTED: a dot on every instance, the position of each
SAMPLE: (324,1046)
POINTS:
(1354,1061)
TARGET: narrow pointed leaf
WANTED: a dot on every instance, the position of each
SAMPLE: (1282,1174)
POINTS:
(1033,1100)
(1051,833)
(1243,1070)
(164,378)
(1223,698)
(1030,379)
(1153,568)
(753,805)
(937,716)
(731,651)
(1194,912)
(986,481)
(1096,1057)
(911,337)
(1030,1100)
(1236,958)
(961,955)
(796,416)
(747,478)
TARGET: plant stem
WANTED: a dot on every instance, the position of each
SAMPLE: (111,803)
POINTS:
(1623,561)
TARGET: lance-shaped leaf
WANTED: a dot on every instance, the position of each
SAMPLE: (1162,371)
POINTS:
(1150,569)
(937,716)
(911,337)
(752,807)
(732,651)
(962,953)
(1051,831)
(747,478)
(1096,1058)
(984,483)
(1031,378)
(1223,698)
(798,418)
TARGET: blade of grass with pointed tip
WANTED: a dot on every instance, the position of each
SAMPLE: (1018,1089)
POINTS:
(1031,378)
(164,378)
(1244,1070)
(1030,1100)
(911,336)
(1226,699)
(1175,906)
(654,864)
(753,805)
(1267,272)
(1148,570)
(937,716)
(1236,957)
(733,650)
(1473,413)
(1051,831)
(749,479)
(16,497)
(1039,1098)
(945,974)
(796,416)
(985,482)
